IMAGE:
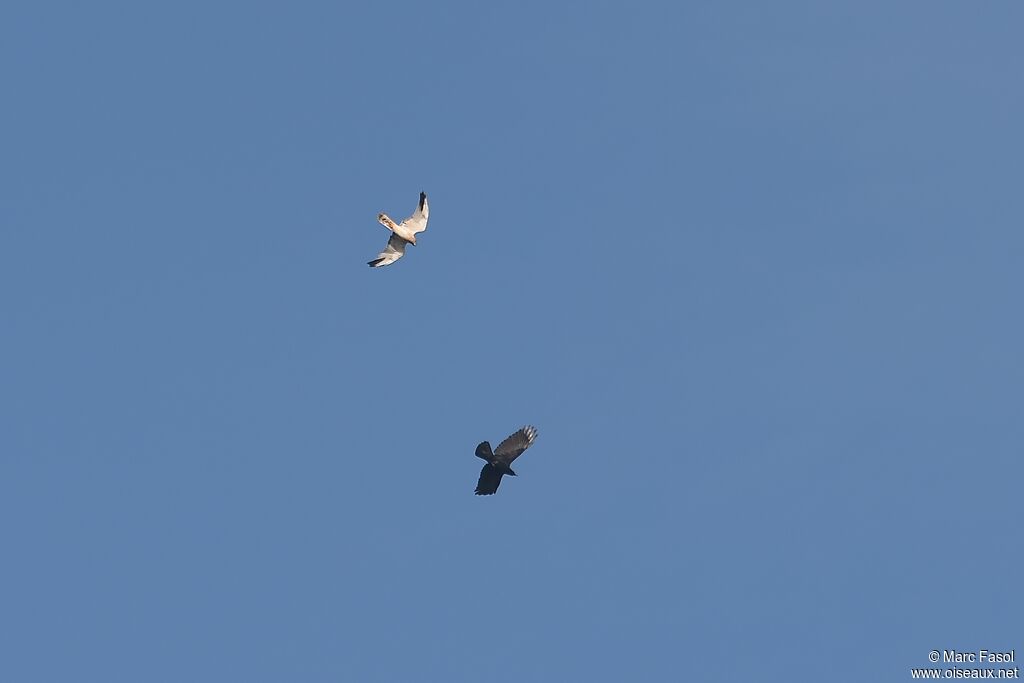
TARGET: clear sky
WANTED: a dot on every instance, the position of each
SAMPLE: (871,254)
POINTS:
(752,269)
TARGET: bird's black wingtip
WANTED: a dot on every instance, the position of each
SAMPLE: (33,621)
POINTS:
(373,263)
(423,198)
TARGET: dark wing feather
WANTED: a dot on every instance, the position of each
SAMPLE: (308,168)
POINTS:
(490,477)
(512,447)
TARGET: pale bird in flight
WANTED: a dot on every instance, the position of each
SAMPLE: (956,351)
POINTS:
(499,462)
(401,233)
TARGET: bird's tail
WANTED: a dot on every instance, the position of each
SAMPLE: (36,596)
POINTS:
(484,451)
(386,221)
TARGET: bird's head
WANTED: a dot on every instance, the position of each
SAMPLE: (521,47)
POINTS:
(412,240)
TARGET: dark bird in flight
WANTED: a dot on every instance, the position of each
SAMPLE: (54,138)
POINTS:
(401,233)
(498,462)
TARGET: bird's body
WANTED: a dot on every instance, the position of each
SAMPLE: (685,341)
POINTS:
(401,233)
(499,461)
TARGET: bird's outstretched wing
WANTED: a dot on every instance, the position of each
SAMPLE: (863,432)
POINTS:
(512,447)
(394,250)
(490,477)
(417,222)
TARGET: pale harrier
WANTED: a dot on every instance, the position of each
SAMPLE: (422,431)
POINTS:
(401,233)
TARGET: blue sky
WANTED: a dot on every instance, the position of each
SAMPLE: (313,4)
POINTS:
(752,269)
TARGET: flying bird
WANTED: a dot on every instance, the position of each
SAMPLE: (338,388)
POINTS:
(498,462)
(401,233)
